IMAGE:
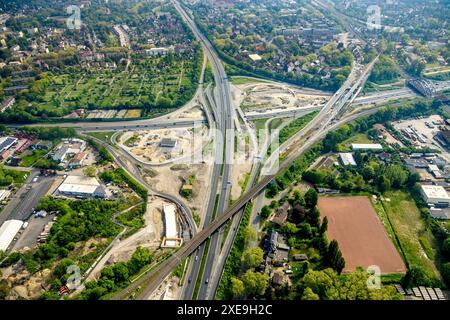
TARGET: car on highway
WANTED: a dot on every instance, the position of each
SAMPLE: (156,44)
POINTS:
(196,258)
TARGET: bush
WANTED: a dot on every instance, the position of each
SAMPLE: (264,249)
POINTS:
(265,212)
(446,248)
(445,271)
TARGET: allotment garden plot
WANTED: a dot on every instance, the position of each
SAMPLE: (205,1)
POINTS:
(142,84)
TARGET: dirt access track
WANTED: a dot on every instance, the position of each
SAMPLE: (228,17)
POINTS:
(363,241)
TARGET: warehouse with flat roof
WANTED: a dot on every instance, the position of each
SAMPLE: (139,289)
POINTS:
(171,238)
(6,143)
(347,159)
(8,231)
(366,146)
(435,195)
(168,143)
(81,186)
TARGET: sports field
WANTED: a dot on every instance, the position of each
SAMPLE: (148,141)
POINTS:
(353,222)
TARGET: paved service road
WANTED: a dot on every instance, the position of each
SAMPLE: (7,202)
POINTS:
(22,204)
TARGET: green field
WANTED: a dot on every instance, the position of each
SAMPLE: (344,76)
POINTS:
(260,124)
(357,138)
(29,158)
(275,123)
(416,241)
(237,80)
(295,126)
(104,136)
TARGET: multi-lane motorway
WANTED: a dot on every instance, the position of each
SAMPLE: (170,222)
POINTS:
(303,140)
(223,161)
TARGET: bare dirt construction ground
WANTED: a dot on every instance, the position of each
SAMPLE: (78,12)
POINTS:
(145,145)
(168,290)
(243,161)
(353,222)
(148,237)
(195,112)
(273,96)
(170,178)
(23,285)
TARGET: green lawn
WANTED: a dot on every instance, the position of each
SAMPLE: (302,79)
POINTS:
(416,241)
(260,124)
(275,123)
(385,221)
(237,80)
(357,138)
(131,140)
(295,126)
(30,158)
(104,136)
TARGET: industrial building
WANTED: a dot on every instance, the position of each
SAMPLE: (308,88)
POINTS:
(6,143)
(81,186)
(171,238)
(347,159)
(168,143)
(8,231)
(8,103)
(366,146)
(42,145)
(61,154)
(255,57)
(70,147)
(440,213)
(77,161)
(435,195)
(434,170)
(4,194)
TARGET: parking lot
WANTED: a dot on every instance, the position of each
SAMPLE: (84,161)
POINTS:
(28,237)
(27,197)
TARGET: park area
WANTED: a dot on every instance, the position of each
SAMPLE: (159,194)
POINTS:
(362,238)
